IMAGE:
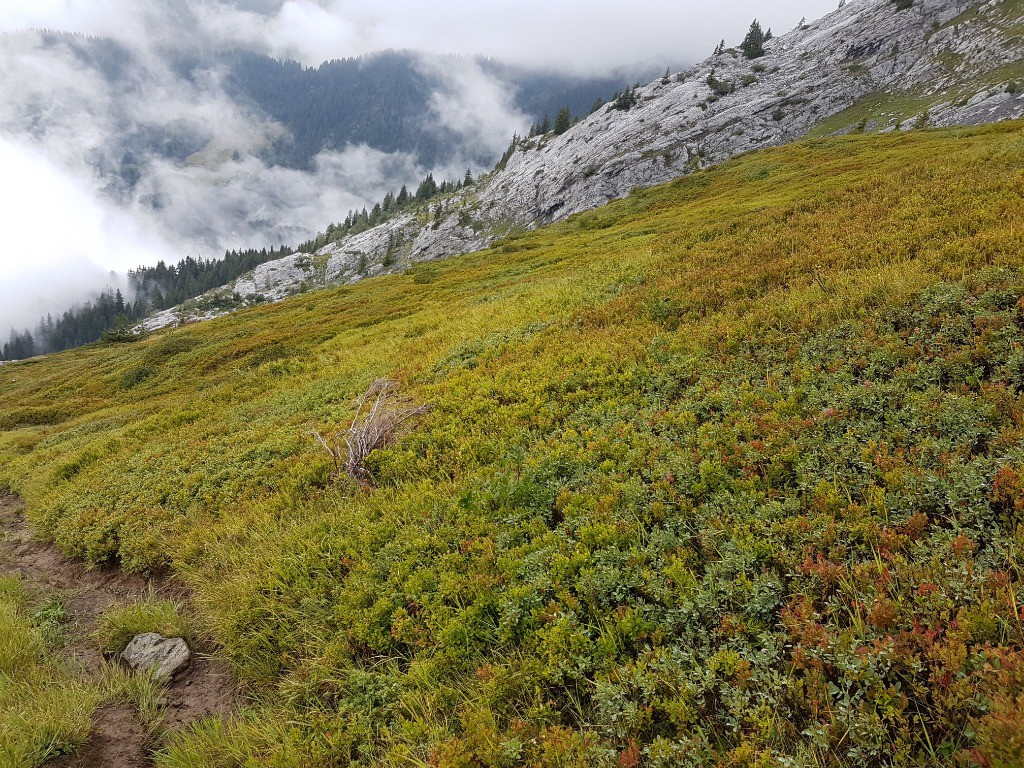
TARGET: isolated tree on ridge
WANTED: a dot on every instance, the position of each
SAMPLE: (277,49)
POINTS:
(753,44)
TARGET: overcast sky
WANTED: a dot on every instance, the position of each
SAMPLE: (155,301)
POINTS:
(63,232)
(583,34)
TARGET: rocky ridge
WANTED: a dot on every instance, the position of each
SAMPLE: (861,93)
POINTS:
(867,66)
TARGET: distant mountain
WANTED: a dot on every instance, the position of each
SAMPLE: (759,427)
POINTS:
(381,100)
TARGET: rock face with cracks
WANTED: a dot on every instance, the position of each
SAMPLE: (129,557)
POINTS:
(164,656)
(868,66)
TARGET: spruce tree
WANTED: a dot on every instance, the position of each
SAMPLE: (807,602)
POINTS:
(753,44)
(563,121)
(427,188)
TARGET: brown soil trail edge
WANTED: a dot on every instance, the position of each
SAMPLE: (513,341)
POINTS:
(118,739)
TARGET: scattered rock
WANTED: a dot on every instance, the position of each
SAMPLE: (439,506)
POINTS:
(165,656)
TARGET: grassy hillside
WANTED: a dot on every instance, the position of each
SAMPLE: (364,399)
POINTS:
(727,473)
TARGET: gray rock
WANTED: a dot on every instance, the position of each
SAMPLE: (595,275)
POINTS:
(165,656)
(864,66)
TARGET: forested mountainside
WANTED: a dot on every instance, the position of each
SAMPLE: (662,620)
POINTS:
(111,317)
(726,473)
(870,66)
(384,100)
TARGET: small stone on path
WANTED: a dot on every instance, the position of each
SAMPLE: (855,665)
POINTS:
(165,656)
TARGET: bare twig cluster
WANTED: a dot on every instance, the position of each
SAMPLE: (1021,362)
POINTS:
(382,414)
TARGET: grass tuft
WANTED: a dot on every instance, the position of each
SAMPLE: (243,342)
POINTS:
(44,710)
(119,624)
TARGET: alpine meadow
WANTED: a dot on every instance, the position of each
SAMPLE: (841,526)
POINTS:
(727,472)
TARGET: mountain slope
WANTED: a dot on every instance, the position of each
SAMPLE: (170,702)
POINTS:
(726,473)
(867,66)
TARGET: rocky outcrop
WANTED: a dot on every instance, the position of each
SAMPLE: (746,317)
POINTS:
(866,67)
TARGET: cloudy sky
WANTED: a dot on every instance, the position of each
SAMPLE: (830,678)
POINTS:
(582,34)
(65,232)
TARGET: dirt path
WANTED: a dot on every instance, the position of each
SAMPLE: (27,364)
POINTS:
(119,739)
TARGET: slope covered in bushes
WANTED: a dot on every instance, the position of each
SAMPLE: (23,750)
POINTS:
(727,473)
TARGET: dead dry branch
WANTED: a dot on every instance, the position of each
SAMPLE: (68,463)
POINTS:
(382,415)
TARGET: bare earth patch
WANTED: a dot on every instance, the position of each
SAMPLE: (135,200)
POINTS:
(119,739)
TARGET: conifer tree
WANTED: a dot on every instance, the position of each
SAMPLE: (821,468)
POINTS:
(626,99)
(563,121)
(427,188)
(753,44)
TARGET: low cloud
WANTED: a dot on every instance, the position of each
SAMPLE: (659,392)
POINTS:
(242,203)
(474,106)
(61,239)
(588,37)
(115,169)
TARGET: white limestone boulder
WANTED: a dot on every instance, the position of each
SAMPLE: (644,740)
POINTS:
(165,656)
